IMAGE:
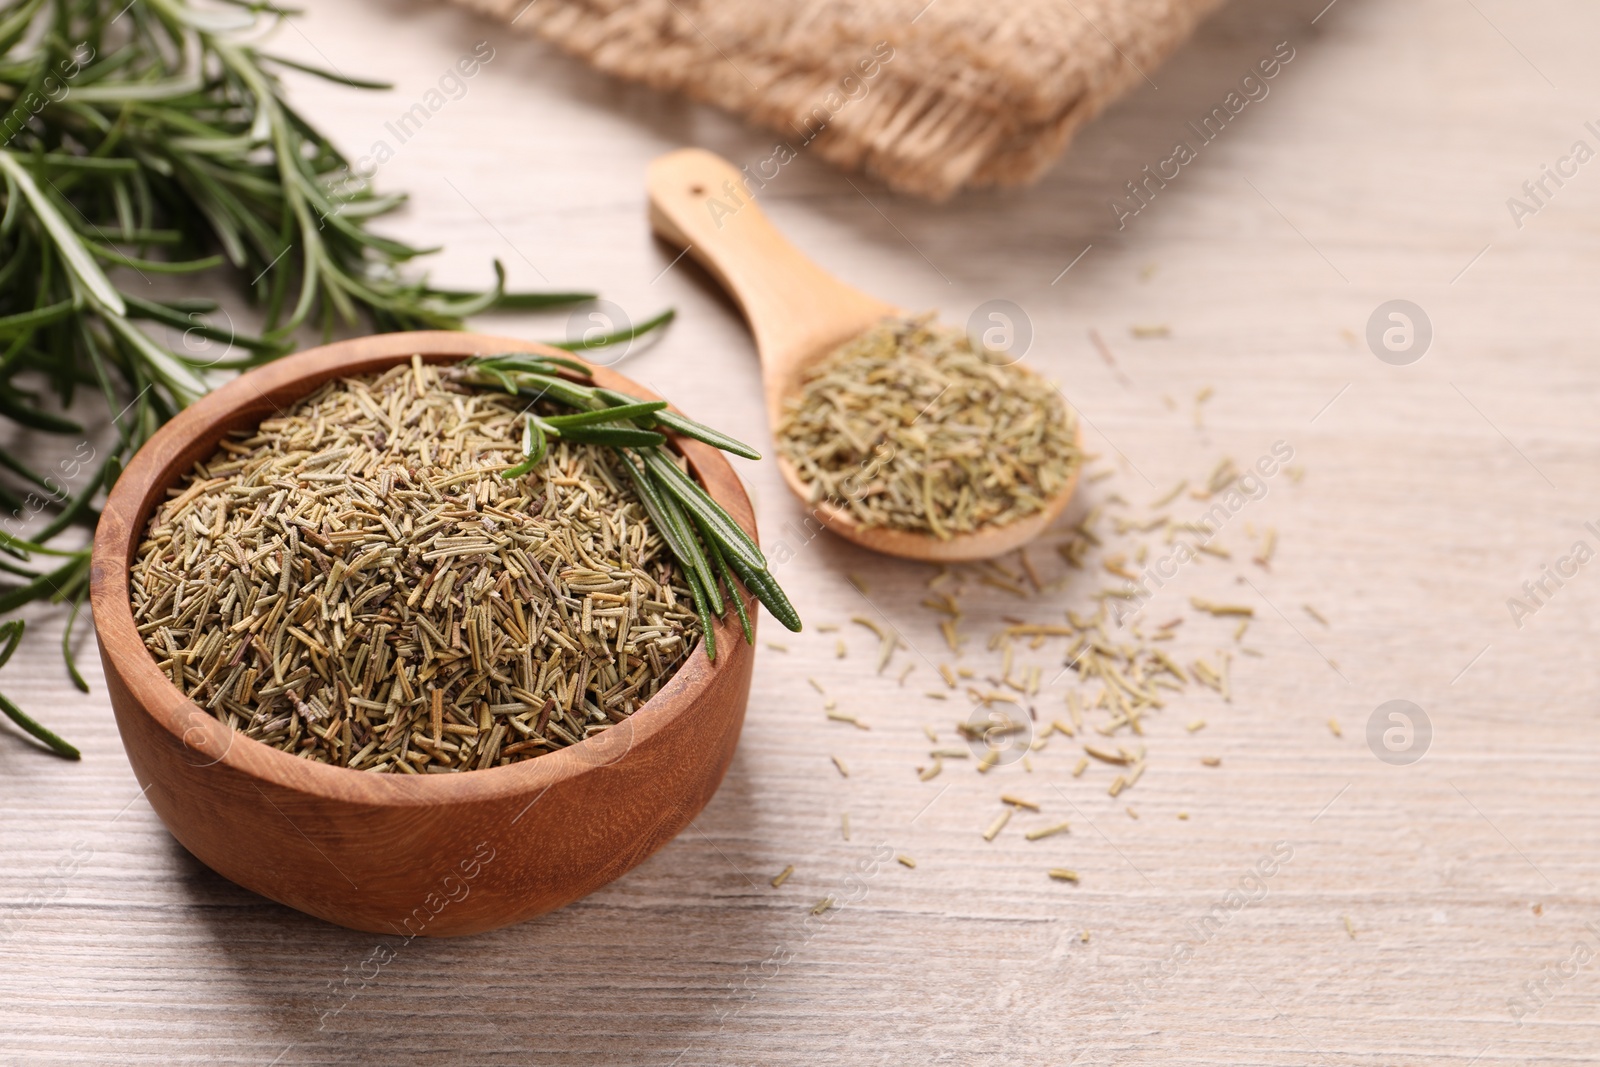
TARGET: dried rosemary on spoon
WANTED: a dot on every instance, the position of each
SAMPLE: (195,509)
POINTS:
(908,426)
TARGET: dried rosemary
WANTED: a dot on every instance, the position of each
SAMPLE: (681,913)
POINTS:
(383,578)
(907,426)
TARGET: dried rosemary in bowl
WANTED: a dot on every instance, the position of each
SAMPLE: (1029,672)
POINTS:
(907,426)
(410,572)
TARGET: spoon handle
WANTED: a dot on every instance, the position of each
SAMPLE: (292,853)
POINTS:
(796,310)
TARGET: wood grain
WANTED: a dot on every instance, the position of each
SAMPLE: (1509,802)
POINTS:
(1389,145)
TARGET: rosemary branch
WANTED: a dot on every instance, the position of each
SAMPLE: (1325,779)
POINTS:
(155,138)
(706,541)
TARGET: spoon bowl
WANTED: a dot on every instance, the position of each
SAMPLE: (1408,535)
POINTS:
(799,314)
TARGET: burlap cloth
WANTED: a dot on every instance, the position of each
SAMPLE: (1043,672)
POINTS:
(928,97)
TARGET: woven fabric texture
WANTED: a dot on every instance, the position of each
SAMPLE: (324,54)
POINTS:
(928,97)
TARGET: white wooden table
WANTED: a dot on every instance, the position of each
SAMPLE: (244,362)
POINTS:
(1378,168)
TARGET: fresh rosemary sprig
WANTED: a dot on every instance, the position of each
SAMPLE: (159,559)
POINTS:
(149,138)
(704,538)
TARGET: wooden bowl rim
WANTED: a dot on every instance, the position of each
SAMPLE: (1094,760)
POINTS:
(141,488)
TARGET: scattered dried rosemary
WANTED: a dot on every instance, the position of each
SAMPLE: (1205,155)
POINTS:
(359,582)
(907,426)
(1093,630)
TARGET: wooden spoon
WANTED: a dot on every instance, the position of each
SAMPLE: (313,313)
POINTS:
(798,313)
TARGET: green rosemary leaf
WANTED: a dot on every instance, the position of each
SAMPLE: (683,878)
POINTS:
(612,414)
(10,501)
(702,608)
(228,223)
(765,588)
(182,383)
(20,409)
(730,535)
(697,555)
(11,633)
(13,26)
(523,301)
(73,585)
(45,585)
(613,436)
(138,91)
(541,386)
(70,248)
(34,73)
(533,449)
(726,577)
(28,321)
(16,466)
(668,521)
(479,372)
(189,305)
(66,646)
(477,302)
(60,161)
(153,266)
(698,431)
(11,568)
(701,432)
(527,362)
(21,718)
(618,336)
(190,322)
(326,75)
(79,506)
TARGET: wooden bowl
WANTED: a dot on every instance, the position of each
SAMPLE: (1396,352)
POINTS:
(430,855)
